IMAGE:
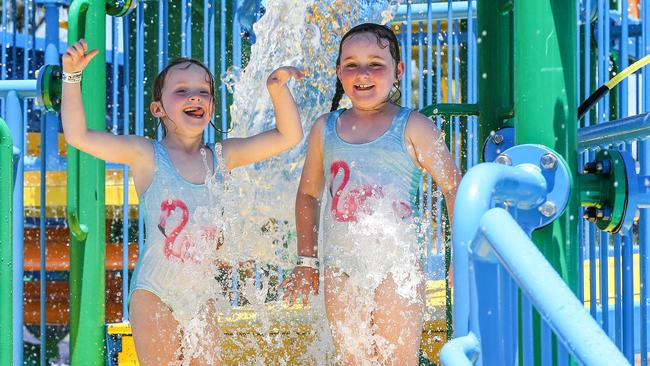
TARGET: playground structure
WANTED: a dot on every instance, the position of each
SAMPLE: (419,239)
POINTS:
(502,78)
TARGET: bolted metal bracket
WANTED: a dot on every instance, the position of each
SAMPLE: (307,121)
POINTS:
(558,182)
(607,190)
(498,142)
(49,87)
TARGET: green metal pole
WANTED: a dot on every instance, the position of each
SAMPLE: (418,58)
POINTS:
(6,245)
(495,60)
(545,98)
(86,200)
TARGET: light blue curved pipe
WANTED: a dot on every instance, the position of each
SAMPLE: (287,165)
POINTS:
(501,237)
(461,351)
(483,187)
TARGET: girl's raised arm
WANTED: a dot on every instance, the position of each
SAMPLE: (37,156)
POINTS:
(131,150)
(433,156)
(287,133)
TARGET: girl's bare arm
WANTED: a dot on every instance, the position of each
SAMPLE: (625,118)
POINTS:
(287,133)
(131,150)
(432,155)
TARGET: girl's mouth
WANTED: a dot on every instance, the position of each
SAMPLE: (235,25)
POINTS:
(194,112)
(363,87)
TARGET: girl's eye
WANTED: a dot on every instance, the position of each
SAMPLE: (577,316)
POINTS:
(351,66)
(205,92)
(180,91)
(376,65)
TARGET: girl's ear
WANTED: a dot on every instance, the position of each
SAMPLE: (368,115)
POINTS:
(156,109)
(399,71)
(338,70)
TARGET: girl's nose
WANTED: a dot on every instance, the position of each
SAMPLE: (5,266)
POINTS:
(195,97)
(364,70)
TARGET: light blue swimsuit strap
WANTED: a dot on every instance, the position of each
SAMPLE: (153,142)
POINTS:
(163,160)
(397,128)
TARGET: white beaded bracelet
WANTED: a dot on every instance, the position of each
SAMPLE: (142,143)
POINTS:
(71,78)
(309,262)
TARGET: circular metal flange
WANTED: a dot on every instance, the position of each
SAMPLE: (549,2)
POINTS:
(120,8)
(621,190)
(559,183)
(49,87)
(498,142)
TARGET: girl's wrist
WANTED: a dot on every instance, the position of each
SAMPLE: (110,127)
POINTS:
(308,262)
(71,77)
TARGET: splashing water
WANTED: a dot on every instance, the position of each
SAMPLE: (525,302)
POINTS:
(255,215)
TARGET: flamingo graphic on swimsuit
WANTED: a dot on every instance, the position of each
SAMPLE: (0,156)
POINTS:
(172,248)
(355,198)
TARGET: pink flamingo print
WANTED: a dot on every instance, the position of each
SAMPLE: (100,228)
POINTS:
(355,198)
(171,249)
(166,209)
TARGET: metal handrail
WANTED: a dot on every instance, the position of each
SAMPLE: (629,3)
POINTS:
(501,235)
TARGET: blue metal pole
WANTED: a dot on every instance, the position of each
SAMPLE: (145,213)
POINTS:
(420,65)
(407,60)
(624,44)
(628,298)
(163,41)
(52,57)
(644,260)
(139,104)
(126,108)
(236,36)
(208,15)
(186,29)
(430,44)
(602,64)
(618,304)
(49,136)
(3,70)
(604,281)
(612,132)
(587,59)
(471,89)
(456,120)
(14,117)
(606,59)
(402,39)
(222,52)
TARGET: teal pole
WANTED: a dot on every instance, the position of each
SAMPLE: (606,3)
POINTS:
(86,197)
(494,62)
(545,94)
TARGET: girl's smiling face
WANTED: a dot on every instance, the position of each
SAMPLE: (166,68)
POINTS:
(367,70)
(186,101)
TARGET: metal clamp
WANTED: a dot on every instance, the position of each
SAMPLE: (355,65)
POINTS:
(608,188)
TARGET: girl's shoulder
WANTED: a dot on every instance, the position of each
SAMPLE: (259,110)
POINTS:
(418,121)
(320,123)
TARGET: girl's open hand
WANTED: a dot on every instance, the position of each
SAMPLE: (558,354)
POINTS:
(77,57)
(281,75)
(301,281)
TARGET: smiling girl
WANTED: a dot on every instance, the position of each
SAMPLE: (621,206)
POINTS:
(171,178)
(370,157)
